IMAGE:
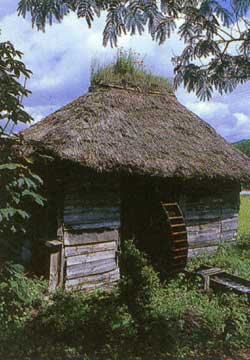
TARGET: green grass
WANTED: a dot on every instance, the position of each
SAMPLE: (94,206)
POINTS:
(128,70)
(244,224)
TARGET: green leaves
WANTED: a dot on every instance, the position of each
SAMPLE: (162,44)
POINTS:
(10,166)
(37,198)
(44,11)
(7,214)
(18,184)
(11,90)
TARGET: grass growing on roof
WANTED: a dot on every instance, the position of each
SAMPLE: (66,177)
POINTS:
(128,70)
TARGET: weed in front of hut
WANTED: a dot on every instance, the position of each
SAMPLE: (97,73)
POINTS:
(141,319)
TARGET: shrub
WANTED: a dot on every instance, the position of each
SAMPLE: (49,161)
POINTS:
(140,286)
(142,319)
(19,297)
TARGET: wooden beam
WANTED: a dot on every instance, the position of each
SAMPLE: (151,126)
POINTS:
(55,248)
(80,238)
(93,268)
(91,257)
(86,281)
(92,248)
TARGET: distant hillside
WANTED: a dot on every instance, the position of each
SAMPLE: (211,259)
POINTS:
(244,146)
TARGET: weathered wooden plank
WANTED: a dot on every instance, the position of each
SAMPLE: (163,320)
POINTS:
(91,257)
(54,274)
(79,218)
(105,277)
(229,235)
(206,233)
(86,249)
(63,263)
(209,226)
(74,213)
(230,224)
(101,225)
(197,243)
(80,238)
(103,286)
(203,236)
(202,214)
(54,245)
(210,221)
(91,268)
(198,251)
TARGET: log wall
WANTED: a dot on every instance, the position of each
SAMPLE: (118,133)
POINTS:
(91,225)
(210,221)
(91,220)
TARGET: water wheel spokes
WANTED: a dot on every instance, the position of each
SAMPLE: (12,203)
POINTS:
(178,236)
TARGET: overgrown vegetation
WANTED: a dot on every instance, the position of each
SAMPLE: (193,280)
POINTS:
(142,319)
(19,185)
(128,70)
(19,297)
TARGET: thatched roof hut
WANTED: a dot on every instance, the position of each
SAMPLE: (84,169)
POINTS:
(121,129)
(132,162)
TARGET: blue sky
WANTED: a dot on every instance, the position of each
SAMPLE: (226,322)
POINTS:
(61,57)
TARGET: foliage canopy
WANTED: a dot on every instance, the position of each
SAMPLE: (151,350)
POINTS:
(216,33)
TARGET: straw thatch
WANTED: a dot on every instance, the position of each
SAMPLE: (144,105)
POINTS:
(117,129)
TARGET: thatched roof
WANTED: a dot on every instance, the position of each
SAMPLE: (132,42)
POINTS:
(117,129)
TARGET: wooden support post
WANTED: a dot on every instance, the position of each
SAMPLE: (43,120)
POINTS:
(206,282)
(55,248)
(60,236)
(206,274)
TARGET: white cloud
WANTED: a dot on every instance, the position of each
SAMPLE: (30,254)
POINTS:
(60,60)
(39,112)
(56,57)
(63,53)
(242,119)
(209,109)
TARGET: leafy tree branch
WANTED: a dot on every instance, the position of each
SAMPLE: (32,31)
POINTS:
(18,184)
(216,33)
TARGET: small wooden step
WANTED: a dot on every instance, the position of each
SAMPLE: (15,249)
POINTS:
(179,232)
(169,204)
(176,225)
(179,249)
(175,217)
(180,257)
(179,241)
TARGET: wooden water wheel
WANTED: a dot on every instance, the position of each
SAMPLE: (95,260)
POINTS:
(178,236)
